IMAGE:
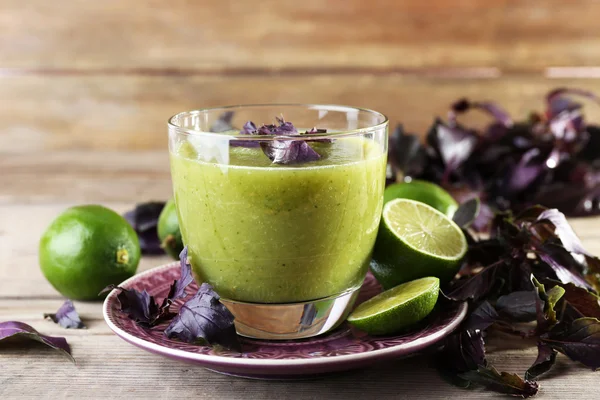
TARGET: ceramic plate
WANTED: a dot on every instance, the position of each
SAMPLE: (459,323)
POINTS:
(342,349)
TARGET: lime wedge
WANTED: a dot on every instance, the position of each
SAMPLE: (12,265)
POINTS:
(396,308)
(423,191)
(415,240)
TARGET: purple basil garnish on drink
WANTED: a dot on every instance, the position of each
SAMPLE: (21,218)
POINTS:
(317,131)
(284,151)
(248,129)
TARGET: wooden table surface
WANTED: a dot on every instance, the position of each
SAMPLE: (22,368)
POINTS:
(34,189)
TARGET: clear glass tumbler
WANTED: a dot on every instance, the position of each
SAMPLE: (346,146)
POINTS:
(286,245)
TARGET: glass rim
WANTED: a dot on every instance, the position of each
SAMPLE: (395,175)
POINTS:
(327,107)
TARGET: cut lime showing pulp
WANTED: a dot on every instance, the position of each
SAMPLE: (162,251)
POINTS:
(415,240)
(397,308)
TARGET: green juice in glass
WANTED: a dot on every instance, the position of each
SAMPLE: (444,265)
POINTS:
(266,233)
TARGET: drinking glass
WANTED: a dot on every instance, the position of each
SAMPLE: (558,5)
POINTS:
(285,244)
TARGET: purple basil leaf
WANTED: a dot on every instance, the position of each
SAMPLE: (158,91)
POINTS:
(315,130)
(501,382)
(592,272)
(15,329)
(545,306)
(144,220)
(284,128)
(485,252)
(463,351)
(178,287)
(185,278)
(223,123)
(453,144)
(477,286)
(249,129)
(571,243)
(543,363)
(557,103)
(575,199)
(518,306)
(484,217)
(566,268)
(406,152)
(143,308)
(464,105)
(567,128)
(203,319)
(482,317)
(144,216)
(579,340)
(139,306)
(467,213)
(281,151)
(565,117)
(530,214)
(289,151)
(529,168)
(244,143)
(564,231)
(591,150)
(67,316)
(582,301)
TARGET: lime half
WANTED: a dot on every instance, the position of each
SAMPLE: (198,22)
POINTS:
(423,191)
(397,308)
(415,240)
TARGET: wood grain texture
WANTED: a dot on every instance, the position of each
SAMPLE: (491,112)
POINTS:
(66,177)
(212,35)
(130,112)
(108,367)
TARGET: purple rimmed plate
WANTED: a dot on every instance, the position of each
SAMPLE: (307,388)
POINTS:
(342,349)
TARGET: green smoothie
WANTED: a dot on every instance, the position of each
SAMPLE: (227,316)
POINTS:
(267,233)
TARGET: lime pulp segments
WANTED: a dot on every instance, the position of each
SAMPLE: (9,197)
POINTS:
(415,240)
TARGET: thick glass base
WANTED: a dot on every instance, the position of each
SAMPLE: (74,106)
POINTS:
(291,320)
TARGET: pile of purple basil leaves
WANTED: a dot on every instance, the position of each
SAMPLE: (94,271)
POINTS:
(526,273)
(552,158)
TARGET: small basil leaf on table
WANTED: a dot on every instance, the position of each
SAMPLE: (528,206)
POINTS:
(543,363)
(501,382)
(16,329)
(67,316)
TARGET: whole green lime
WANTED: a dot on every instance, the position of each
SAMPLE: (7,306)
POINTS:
(423,191)
(168,230)
(87,248)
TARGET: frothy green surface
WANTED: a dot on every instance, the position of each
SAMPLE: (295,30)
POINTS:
(260,232)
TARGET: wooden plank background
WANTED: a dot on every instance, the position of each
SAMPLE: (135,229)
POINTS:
(83,75)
